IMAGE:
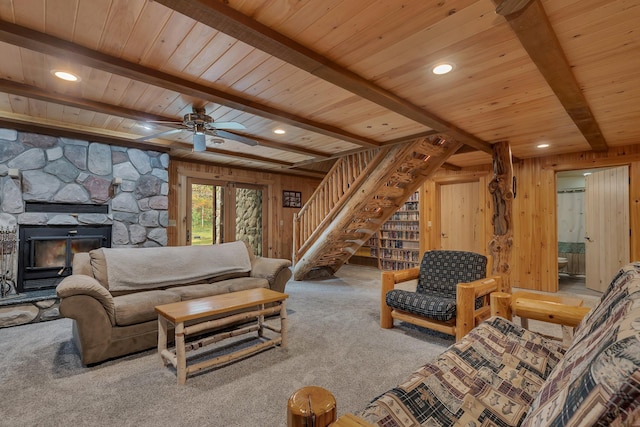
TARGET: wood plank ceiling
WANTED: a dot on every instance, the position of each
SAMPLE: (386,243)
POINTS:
(336,75)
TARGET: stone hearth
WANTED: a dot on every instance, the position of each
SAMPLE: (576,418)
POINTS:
(45,170)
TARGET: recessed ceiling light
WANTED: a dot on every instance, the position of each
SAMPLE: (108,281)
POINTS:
(279,131)
(543,145)
(65,75)
(443,68)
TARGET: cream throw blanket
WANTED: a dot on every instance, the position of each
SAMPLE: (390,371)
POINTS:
(151,268)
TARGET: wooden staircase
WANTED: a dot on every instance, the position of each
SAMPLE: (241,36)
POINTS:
(357,196)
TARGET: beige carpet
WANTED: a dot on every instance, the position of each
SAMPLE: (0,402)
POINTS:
(334,342)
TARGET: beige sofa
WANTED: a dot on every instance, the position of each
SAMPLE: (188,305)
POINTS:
(112,292)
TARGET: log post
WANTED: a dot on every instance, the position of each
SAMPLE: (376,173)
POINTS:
(501,305)
(502,188)
(311,406)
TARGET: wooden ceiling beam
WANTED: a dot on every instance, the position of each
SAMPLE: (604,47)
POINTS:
(33,92)
(238,136)
(219,16)
(531,25)
(165,146)
(401,140)
(50,45)
(65,132)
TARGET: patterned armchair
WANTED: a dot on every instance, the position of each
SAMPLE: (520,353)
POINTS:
(452,295)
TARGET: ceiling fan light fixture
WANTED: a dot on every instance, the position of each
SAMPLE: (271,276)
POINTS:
(199,129)
(199,142)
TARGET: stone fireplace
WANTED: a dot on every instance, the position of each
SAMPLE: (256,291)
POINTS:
(59,188)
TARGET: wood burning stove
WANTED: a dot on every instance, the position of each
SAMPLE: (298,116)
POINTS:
(46,252)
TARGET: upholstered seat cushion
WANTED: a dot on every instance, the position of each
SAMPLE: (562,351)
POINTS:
(217,288)
(433,306)
(139,307)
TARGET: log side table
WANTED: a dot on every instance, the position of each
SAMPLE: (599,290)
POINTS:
(197,311)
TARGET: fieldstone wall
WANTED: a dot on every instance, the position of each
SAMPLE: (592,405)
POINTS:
(133,183)
(30,312)
(249,218)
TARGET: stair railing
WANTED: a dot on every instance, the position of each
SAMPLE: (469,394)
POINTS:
(332,193)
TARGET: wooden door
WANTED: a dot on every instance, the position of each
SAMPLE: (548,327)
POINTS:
(606,225)
(460,219)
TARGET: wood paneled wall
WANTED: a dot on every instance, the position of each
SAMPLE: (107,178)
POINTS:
(534,255)
(279,221)
(535,251)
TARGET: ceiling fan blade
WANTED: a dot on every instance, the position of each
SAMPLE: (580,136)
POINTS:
(234,137)
(157,135)
(165,122)
(228,125)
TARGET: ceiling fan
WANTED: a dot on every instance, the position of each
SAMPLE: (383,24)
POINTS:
(201,124)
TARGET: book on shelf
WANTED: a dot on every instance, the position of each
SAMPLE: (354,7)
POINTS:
(396,245)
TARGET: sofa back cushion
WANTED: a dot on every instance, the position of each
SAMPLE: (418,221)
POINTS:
(441,271)
(99,266)
(81,264)
(598,380)
(127,270)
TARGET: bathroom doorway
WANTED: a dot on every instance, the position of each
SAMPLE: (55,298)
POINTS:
(593,227)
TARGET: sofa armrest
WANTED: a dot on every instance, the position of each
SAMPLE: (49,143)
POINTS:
(546,311)
(467,317)
(389,281)
(275,270)
(79,284)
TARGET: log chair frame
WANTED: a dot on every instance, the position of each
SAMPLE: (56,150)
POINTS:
(467,317)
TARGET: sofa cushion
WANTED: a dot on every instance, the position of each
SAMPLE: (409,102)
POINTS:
(216,288)
(489,377)
(598,381)
(139,307)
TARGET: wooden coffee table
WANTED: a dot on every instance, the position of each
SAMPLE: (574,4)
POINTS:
(225,306)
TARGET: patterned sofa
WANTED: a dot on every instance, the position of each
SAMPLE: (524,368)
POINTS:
(503,375)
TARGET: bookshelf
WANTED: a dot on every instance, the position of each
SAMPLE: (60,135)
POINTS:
(397,245)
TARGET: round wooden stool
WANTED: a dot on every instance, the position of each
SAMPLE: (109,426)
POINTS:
(311,407)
